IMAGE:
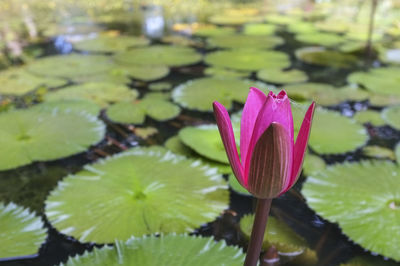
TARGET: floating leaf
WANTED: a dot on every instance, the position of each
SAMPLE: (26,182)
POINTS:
(177,250)
(68,106)
(244,41)
(321,56)
(259,29)
(233,19)
(179,40)
(236,186)
(205,140)
(199,94)
(70,66)
(332,133)
(281,19)
(282,77)
(145,132)
(35,135)
(134,112)
(105,43)
(102,94)
(224,72)
(364,199)
(380,80)
(211,30)
(378,152)
(301,27)
(333,26)
(249,60)
(369,261)
(397,152)
(146,191)
(282,237)
(17,81)
(369,116)
(160,55)
(312,164)
(377,99)
(392,116)
(22,232)
(159,86)
(319,38)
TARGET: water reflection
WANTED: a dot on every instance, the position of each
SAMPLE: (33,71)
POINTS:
(153,23)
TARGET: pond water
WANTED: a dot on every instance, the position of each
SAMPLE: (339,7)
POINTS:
(82,57)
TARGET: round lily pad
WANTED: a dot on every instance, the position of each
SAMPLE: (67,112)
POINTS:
(224,72)
(134,112)
(378,99)
(312,164)
(259,29)
(160,86)
(34,135)
(369,261)
(68,106)
(333,26)
(321,93)
(17,81)
(282,77)
(160,55)
(248,59)
(364,199)
(319,38)
(236,186)
(392,116)
(321,56)
(281,19)
(177,250)
(147,191)
(105,43)
(283,238)
(199,94)
(379,152)
(397,152)
(212,30)
(244,41)
(100,93)
(70,66)
(206,140)
(143,72)
(301,27)
(22,232)
(380,80)
(233,19)
(369,116)
(331,132)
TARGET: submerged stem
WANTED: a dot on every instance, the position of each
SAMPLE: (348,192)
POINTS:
(257,233)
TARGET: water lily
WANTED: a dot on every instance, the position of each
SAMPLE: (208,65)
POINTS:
(271,161)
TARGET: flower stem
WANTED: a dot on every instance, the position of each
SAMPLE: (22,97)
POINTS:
(257,234)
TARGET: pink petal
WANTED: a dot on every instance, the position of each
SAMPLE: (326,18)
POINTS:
(301,146)
(228,138)
(271,163)
(275,109)
(252,107)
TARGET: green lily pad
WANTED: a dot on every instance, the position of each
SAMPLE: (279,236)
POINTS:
(35,135)
(313,164)
(377,99)
(160,55)
(236,186)
(144,72)
(352,47)
(281,19)
(206,140)
(211,30)
(102,94)
(248,60)
(369,261)
(177,250)
(259,29)
(331,132)
(369,116)
(380,80)
(321,56)
(319,38)
(333,26)
(378,152)
(70,66)
(68,106)
(105,43)
(321,93)
(180,40)
(283,238)
(238,41)
(392,116)
(397,152)
(224,72)
(135,112)
(146,190)
(301,27)
(175,145)
(17,81)
(364,199)
(199,94)
(282,77)
(160,86)
(22,233)
(233,19)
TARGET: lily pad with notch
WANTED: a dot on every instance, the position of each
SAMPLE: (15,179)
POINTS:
(281,77)
(321,56)
(36,135)
(248,59)
(178,250)
(147,190)
(364,199)
(22,232)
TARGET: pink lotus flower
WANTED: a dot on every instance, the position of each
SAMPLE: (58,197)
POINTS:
(270,160)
